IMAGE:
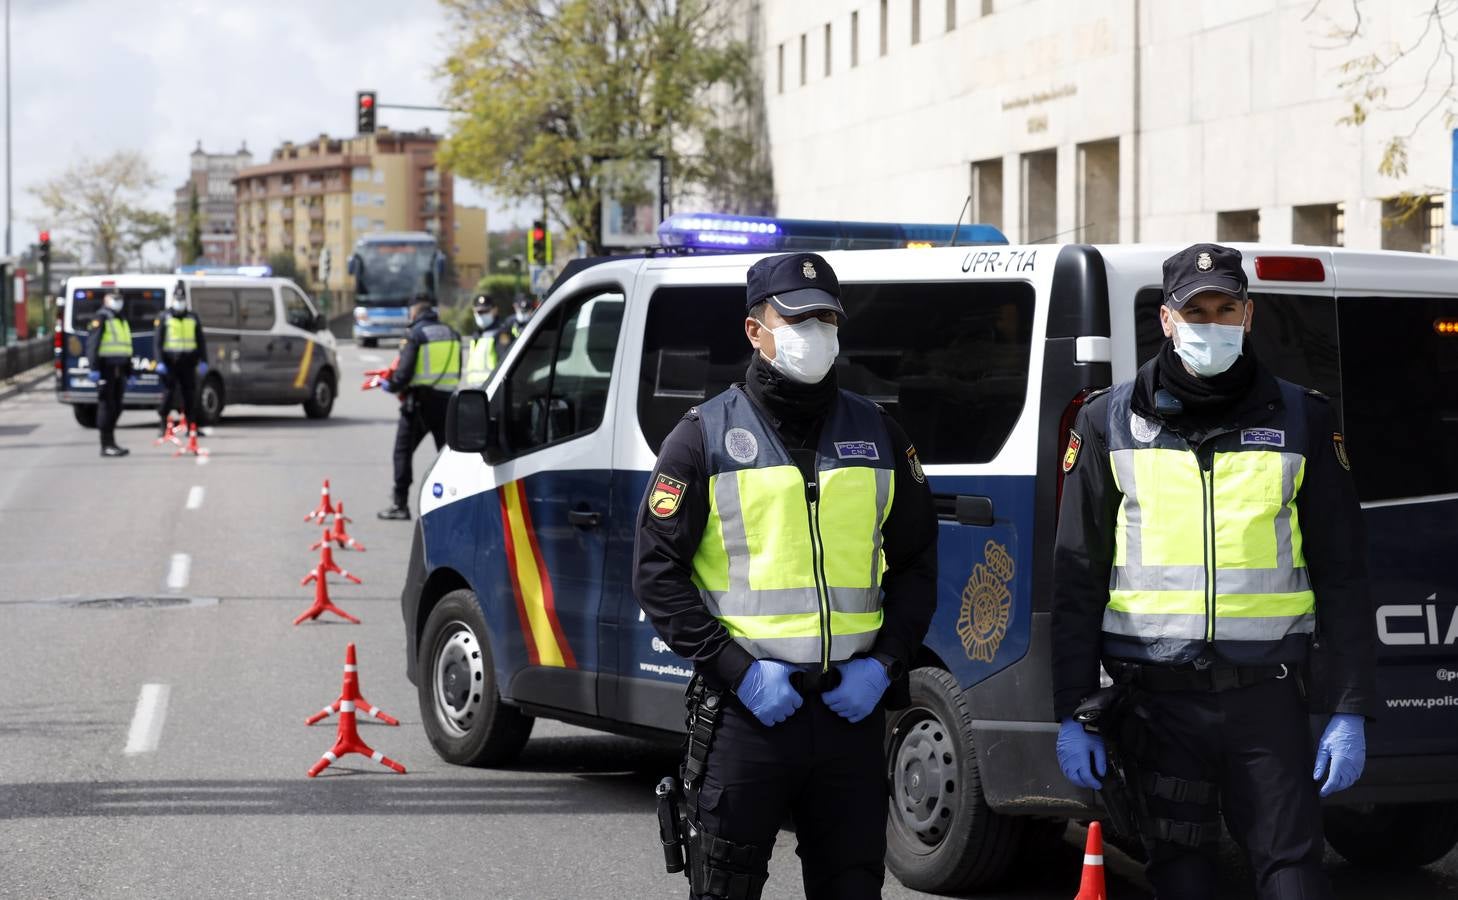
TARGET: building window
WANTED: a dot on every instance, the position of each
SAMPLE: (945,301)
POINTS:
(1238,225)
(987,192)
(827,49)
(951,15)
(855,39)
(1039,197)
(1414,224)
(804,58)
(916,21)
(885,28)
(1323,224)
(361,173)
(780,70)
(1098,192)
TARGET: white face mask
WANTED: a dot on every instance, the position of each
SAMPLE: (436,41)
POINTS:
(1209,349)
(805,351)
(485,320)
(179,305)
(113,303)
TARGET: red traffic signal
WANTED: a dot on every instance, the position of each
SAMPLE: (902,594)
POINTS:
(537,234)
(45,237)
(366,101)
(364,111)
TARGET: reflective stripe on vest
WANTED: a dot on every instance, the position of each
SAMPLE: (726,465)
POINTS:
(789,579)
(116,339)
(1207,556)
(482,361)
(181,335)
(438,365)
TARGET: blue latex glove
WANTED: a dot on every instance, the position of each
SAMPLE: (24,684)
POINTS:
(1075,749)
(387,387)
(765,689)
(862,682)
(161,367)
(1344,746)
(93,376)
(202,368)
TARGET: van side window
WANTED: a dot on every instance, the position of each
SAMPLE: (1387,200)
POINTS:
(558,388)
(215,307)
(948,360)
(297,311)
(255,307)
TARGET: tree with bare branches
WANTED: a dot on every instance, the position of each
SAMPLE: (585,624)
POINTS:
(100,202)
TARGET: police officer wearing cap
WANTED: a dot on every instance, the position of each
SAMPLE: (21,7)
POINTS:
(787,547)
(1209,549)
(490,342)
(182,353)
(427,372)
(109,357)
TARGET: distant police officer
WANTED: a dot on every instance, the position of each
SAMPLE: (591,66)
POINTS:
(109,354)
(787,546)
(1209,542)
(182,353)
(428,370)
(490,342)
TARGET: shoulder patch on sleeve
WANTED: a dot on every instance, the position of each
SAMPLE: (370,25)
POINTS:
(1339,444)
(664,498)
(1070,456)
(915,462)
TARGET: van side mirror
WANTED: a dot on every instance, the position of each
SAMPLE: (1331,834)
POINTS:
(321,322)
(468,422)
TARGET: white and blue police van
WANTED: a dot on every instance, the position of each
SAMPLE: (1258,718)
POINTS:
(267,342)
(518,600)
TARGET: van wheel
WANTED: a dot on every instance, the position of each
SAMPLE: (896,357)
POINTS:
(210,400)
(368,342)
(1392,836)
(465,718)
(85,414)
(941,836)
(321,396)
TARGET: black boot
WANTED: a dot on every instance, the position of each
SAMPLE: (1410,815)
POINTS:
(114,450)
(397,511)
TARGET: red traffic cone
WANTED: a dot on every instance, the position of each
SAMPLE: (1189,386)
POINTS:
(322,512)
(351,693)
(326,560)
(348,739)
(170,435)
(191,447)
(1092,885)
(339,535)
(322,603)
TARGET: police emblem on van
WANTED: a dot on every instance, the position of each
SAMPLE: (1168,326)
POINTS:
(1271,437)
(664,499)
(856,450)
(741,445)
(986,604)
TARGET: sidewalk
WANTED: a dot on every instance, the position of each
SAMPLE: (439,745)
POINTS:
(25,381)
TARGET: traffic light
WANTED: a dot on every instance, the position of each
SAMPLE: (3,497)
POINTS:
(45,248)
(539,245)
(364,105)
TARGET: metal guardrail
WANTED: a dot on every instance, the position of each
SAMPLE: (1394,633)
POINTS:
(25,355)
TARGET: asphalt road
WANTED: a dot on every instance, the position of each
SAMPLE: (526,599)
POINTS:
(211,698)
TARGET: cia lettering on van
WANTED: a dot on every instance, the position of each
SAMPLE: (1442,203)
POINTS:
(1000,261)
(1416,625)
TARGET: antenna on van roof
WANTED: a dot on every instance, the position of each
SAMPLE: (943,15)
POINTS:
(1057,234)
(965,204)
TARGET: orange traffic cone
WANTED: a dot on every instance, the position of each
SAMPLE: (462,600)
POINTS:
(351,694)
(348,740)
(1092,885)
(169,436)
(324,510)
(338,534)
(326,559)
(191,446)
(322,603)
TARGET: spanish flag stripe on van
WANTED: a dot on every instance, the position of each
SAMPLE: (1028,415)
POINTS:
(532,584)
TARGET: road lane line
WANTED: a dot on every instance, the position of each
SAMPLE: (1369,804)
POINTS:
(178,571)
(195,497)
(147,721)
(202,459)
(371,358)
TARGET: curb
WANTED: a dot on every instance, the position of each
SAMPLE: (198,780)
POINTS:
(26,381)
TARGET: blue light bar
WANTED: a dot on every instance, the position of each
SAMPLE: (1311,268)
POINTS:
(725,233)
(250,271)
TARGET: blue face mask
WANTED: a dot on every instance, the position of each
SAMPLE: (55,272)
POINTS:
(1209,349)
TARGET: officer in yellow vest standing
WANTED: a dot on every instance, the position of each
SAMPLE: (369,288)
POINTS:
(787,547)
(427,372)
(182,354)
(109,356)
(1209,547)
(490,343)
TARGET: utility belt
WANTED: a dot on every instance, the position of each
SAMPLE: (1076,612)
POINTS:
(715,867)
(1211,678)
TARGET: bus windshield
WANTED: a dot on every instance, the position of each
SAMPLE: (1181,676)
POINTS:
(392,273)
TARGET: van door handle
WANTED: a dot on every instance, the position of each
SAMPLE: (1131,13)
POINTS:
(964,509)
(584,518)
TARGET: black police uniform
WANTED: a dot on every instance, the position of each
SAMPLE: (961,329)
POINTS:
(422,408)
(113,385)
(179,384)
(825,772)
(1214,732)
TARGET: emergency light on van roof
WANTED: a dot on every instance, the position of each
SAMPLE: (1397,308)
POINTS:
(249,271)
(1289,268)
(716,231)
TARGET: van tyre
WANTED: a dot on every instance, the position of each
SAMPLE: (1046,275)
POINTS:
(85,414)
(321,396)
(465,718)
(1393,836)
(210,400)
(941,836)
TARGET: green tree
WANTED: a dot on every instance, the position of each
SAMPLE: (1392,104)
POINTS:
(547,87)
(194,226)
(285,266)
(100,201)
(145,227)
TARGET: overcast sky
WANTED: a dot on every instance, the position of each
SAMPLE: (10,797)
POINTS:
(94,76)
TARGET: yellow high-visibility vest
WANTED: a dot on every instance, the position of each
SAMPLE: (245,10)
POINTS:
(116,339)
(438,364)
(482,360)
(181,335)
(794,573)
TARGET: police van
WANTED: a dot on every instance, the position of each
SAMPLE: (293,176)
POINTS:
(518,600)
(267,342)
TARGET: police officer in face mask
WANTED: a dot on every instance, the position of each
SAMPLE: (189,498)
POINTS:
(182,353)
(787,546)
(489,343)
(1209,543)
(109,355)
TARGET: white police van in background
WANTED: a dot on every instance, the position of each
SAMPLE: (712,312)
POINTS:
(267,343)
(518,600)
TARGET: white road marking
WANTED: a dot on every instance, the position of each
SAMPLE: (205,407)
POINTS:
(195,496)
(371,358)
(202,460)
(178,571)
(147,721)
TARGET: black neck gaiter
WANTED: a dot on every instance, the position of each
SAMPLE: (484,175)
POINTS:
(1204,396)
(797,408)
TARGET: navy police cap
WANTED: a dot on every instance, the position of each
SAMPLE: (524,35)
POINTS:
(1203,267)
(794,284)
